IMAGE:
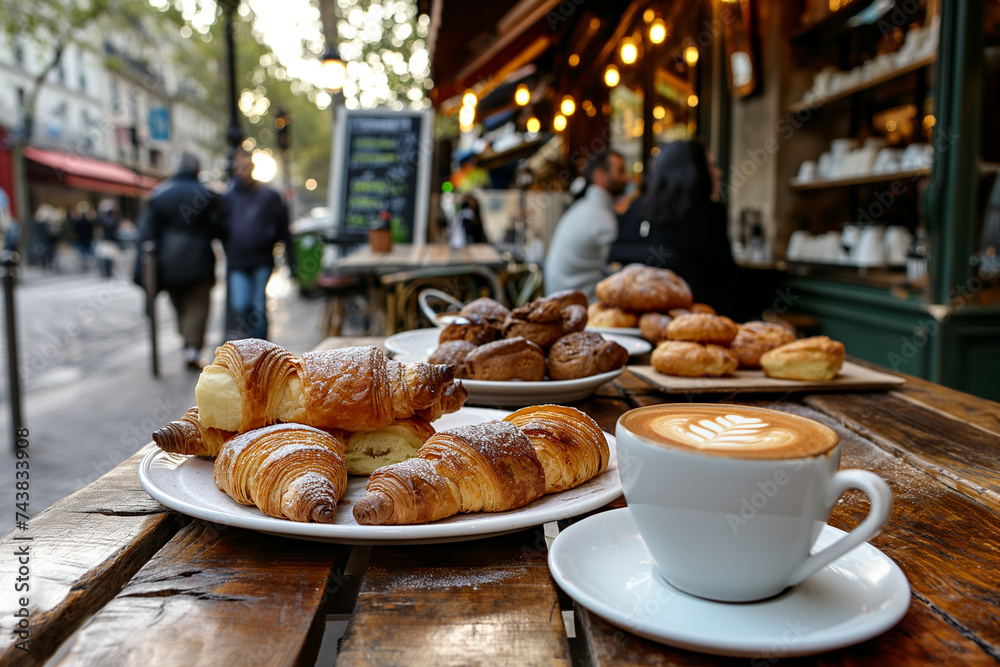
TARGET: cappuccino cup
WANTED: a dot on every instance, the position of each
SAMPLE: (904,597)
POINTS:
(730,500)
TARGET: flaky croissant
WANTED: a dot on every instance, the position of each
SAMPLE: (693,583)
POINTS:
(188,435)
(569,444)
(288,471)
(253,383)
(488,467)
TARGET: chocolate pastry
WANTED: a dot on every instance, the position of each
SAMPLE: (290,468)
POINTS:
(452,352)
(584,354)
(473,328)
(508,359)
(542,334)
(550,307)
(574,319)
(487,308)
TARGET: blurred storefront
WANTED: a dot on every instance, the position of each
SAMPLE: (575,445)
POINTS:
(859,175)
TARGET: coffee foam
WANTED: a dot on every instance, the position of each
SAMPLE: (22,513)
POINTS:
(731,430)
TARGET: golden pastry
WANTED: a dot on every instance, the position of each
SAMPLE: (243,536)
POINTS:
(600,314)
(756,338)
(693,359)
(816,358)
(653,326)
(703,328)
(644,288)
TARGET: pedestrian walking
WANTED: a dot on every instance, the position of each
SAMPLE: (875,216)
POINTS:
(107,247)
(181,219)
(257,220)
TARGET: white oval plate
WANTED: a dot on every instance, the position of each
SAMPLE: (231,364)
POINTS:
(618,331)
(186,484)
(603,564)
(420,343)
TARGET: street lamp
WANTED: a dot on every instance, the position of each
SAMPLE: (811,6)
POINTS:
(234,135)
(333,71)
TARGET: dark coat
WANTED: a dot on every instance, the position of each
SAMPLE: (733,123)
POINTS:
(697,249)
(182,218)
(257,220)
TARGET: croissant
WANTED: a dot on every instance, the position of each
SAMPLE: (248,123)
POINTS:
(188,435)
(288,471)
(569,444)
(488,467)
(253,383)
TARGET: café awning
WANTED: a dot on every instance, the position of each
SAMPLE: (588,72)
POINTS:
(87,173)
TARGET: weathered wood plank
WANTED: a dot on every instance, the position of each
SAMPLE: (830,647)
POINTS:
(953,613)
(489,602)
(215,595)
(82,551)
(961,456)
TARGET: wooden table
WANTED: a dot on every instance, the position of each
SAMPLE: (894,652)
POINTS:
(407,256)
(117,579)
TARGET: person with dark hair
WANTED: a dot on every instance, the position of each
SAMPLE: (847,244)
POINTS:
(676,225)
(257,220)
(181,219)
(579,248)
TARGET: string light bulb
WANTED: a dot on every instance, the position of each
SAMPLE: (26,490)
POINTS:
(629,52)
(657,31)
(611,76)
(522,95)
(533,125)
(559,122)
(692,100)
(691,56)
(567,106)
(469,99)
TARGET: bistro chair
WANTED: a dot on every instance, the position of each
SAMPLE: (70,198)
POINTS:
(462,283)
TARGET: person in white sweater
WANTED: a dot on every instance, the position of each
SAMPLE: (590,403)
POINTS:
(579,248)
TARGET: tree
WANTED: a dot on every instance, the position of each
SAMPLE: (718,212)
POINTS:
(54,25)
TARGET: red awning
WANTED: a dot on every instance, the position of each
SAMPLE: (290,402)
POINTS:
(86,173)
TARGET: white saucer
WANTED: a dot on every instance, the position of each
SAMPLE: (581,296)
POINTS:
(419,344)
(603,564)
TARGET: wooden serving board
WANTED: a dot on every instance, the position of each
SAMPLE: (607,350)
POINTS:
(852,377)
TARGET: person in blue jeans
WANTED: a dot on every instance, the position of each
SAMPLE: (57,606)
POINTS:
(257,221)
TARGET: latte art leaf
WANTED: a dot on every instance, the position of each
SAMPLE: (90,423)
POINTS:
(724,432)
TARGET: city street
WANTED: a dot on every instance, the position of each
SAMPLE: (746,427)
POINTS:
(88,395)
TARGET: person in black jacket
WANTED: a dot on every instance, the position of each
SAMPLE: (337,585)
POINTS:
(181,219)
(676,225)
(257,220)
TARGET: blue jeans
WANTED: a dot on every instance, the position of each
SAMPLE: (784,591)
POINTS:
(248,301)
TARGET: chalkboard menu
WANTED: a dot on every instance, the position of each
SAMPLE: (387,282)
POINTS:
(381,170)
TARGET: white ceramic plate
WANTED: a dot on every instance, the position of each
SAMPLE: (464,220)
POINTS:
(619,331)
(185,483)
(603,564)
(420,343)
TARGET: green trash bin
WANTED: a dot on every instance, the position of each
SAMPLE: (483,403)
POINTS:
(308,259)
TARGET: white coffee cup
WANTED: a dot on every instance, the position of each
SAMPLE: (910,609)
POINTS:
(724,525)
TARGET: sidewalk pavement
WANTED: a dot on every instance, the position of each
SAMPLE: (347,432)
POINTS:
(89,399)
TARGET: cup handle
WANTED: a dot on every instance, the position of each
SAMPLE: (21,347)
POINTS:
(880,500)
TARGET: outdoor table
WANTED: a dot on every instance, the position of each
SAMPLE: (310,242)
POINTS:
(117,579)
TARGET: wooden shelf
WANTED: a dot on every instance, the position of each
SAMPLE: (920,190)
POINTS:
(865,85)
(858,180)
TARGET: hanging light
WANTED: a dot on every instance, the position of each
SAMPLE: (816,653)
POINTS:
(692,100)
(567,106)
(466,117)
(657,31)
(533,125)
(522,95)
(333,71)
(574,59)
(611,76)
(659,112)
(629,52)
(559,122)
(469,99)
(691,56)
